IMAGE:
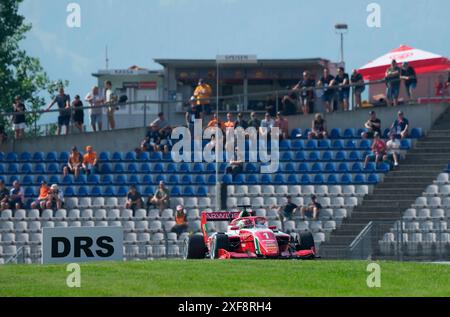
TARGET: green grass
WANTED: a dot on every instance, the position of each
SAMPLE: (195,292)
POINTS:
(227,278)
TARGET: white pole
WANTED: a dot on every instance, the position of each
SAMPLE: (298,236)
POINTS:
(217,143)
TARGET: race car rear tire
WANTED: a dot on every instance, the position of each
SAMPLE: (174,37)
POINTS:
(220,241)
(195,248)
(305,240)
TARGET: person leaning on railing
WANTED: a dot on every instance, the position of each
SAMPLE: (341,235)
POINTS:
(392,78)
(19,119)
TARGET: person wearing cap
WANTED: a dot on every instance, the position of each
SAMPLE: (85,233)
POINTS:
(400,127)
(90,161)
(202,93)
(161,198)
(134,199)
(318,128)
(63,102)
(392,79)
(392,149)
(74,163)
(372,125)
(4,196)
(181,224)
(16,196)
(408,74)
(378,150)
(55,198)
(78,113)
(240,121)
(19,119)
(313,208)
(41,201)
(283,124)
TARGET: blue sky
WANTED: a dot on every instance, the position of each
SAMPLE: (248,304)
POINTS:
(136,31)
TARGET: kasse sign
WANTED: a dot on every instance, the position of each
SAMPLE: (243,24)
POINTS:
(82,244)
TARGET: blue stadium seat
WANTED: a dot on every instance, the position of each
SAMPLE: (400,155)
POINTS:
(285,145)
(148,191)
(324,144)
(199,180)
(172,168)
(359,179)
(53,168)
(117,157)
(104,156)
(80,180)
(288,168)
(175,191)
(2,169)
(198,168)
(55,179)
(27,180)
(287,156)
(305,180)
(157,168)
(343,168)
(222,167)
(93,179)
(266,179)
(306,133)
(346,179)
(132,168)
(300,156)
(239,179)
(405,144)
(349,133)
(51,157)
(251,168)
(279,179)
(130,156)
(13,178)
(133,179)
(303,168)
(63,157)
(330,168)
(156,157)
(365,144)
(167,157)
(39,168)
(373,179)
(38,157)
(297,145)
(107,180)
(30,192)
(335,133)
(143,156)
(68,180)
(383,167)
(186,179)
(69,191)
(292,179)
(252,179)
(311,145)
(355,156)
(2,156)
(188,191)
(296,133)
(122,191)
(120,180)
(173,179)
(145,168)
(417,133)
(108,191)
(119,168)
(160,178)
(332,179)
(317,168)
(327,156)
(338,145)
(184,168)
(25,157)
(314,156)
(319,179)
(210,168)
(147,180)
(371,167)
(357,167)
(341,156)
(105,168)
(25,168)
(360,132)
(83,191)
(11,157)
(211,179)
(202,191)
(350,145)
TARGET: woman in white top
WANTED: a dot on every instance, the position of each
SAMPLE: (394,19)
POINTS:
(96,101)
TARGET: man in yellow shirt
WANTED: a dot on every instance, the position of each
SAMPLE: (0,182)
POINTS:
(202,93)
(90,162)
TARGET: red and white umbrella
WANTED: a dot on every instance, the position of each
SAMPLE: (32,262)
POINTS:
(421,61)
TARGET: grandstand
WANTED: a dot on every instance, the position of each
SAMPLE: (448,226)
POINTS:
(332,169)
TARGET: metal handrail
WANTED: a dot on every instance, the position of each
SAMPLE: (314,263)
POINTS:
(361,236)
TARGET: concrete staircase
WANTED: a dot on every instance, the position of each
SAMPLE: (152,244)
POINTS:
(397,192)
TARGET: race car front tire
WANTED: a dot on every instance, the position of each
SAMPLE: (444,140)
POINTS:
(220,241)
(195,248)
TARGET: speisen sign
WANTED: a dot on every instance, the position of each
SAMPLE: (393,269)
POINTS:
(236,59)
(82,244)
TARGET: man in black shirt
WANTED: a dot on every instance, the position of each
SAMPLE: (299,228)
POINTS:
(287,211)
(343,81)
(134,199)
(19,119)
(240,122)
(392,79)
(326,82)
(290,103)
(358,81)
(4,196)
(63,102)
(312,208)
(372,125)
(408,74)
(305,88)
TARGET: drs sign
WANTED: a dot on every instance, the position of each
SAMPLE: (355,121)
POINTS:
(75,245)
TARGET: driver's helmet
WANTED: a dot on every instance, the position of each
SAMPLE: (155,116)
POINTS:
(246,223)
(260,222)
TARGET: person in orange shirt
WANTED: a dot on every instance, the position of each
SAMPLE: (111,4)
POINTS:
(202,93)
(180,221)
(229,123)
(214,122)
(41,201)
(90,162)
(74,164)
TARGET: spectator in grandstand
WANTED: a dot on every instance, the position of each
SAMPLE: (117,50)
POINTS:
(254,121)
(283,124)
(55,198)
(290,103)
(342,80)
(229,123)
(90,161)
(4,196)
(287,211)
(372,125)
(378,150)
(180,221)
(96,101)
(214,122)
(134,199)
(191,115)
(16,196)
(326,82)
(162,124)
(319,128)
(441,86)
(41,201)
(63,102)
(161,198)
(202,95)
(236,165)
(357,81)
(152,140)
(240,121)
(111,102)
(74,163)
(408,74)
(305,88)
(392,79)
(19,119)
(271,105)
(400,127)
(392,149)
(266,125)
(313,208)
(78,113)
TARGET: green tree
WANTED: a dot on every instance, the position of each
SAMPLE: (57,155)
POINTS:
(20,74)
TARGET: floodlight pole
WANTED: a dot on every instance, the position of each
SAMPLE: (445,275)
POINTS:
(218,191)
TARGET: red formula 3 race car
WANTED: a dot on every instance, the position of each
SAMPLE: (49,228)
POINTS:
(247,237)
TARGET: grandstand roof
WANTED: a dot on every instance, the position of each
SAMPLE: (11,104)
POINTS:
(307,62)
